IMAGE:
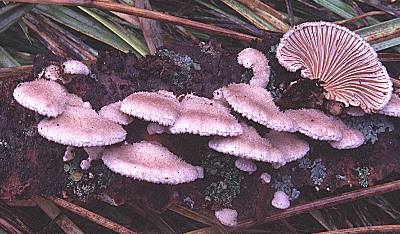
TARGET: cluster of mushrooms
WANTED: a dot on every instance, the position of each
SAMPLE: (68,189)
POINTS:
(347,66)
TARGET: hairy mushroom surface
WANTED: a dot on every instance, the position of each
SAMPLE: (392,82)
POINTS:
(227,217)
(75,67)
(161,107)
(392,108)
(351,138)
(256,60)
(205,117)
(316,124)
(346,64)
(81,127)
(257,104)
(150,162)
(248,145)
(245,165)
(113,112)
(43,96)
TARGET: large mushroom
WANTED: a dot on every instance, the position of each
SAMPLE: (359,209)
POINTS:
(347,65)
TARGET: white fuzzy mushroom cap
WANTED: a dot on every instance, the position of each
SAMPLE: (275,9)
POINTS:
(227,217)
(392,108)
(316,124)
(43,96)
(291,146)
(280,200)
(205,117)
(265,178)
(149,162)
(75,67)
(155,128)
(255,59)
(81,127)
(248,145)
(257,104)
(352,138)
(246,165)
(161,107)
(113,113)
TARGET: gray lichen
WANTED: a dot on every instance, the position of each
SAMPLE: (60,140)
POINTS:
(370,125)
(362,174)
(227,185)
(317,169)
(284,183)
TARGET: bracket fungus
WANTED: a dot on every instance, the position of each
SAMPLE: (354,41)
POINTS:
(43,96)
(346,64)
(150,162)
(351,138)
(392,108)
(256,103)
(256,60)
(245,165)
(227,217)
(161,107)
(71,67)
(280,200)
(249,145)
(81,127)
(113,112)
(205,117)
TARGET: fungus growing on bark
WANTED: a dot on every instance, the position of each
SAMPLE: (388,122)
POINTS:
(280,200)
(392,108)
(246,165)
(149,162)
(205,117)
(43,96)
(112,112)
(69,154)
(248,145)
(316,124)
(161,107)
(93,154)
(257,104)
(291,146)
(351,137)
(75,67)
(346,64)
(81,127)
(155,128)
(256,60)
(227,217)
(71,67)
(265,178)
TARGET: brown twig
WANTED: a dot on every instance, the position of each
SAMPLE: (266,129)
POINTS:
(109,6)
(100,220)
(358,17)
(369,229)
(324,203)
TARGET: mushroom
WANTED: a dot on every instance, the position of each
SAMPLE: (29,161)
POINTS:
(249,145)
(346,64)
(69,153)
(351,138)
(161,107)
(155,128)
(316,124)
(205,117)
(291,146)
(43,96)
(280,200)
(93,153)
(257,104)
(112,112)
(265,178)
(81,127)
(227,217)
(392,108)
(75,67)
(150,162)
(246,165)
(254,59)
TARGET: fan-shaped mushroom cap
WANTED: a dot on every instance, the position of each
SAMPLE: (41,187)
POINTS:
(227,217)
(316,124)
(346,64)
(149,162)
(113,113)
(280,200)
(248,145)
(392,108)
(161,107)
(205,117)
(155,128)
(75,67)
(246,165)
(257,104)
(74,100)
(352,138)
(291,146)
(43,96)
(252,58)
(80,126)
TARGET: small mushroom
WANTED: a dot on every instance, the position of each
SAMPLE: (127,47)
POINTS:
(149,162)
(246,165)
(43,96)
(256,103)
(280,200)
(75,67)
(112,112)
(69,153)
(256,60)
(352,138)
(265,178)
(155,128)
(392,108)
(93,153)
(227,217)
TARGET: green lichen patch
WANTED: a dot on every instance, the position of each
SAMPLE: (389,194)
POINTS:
(362,175)
(225,176)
